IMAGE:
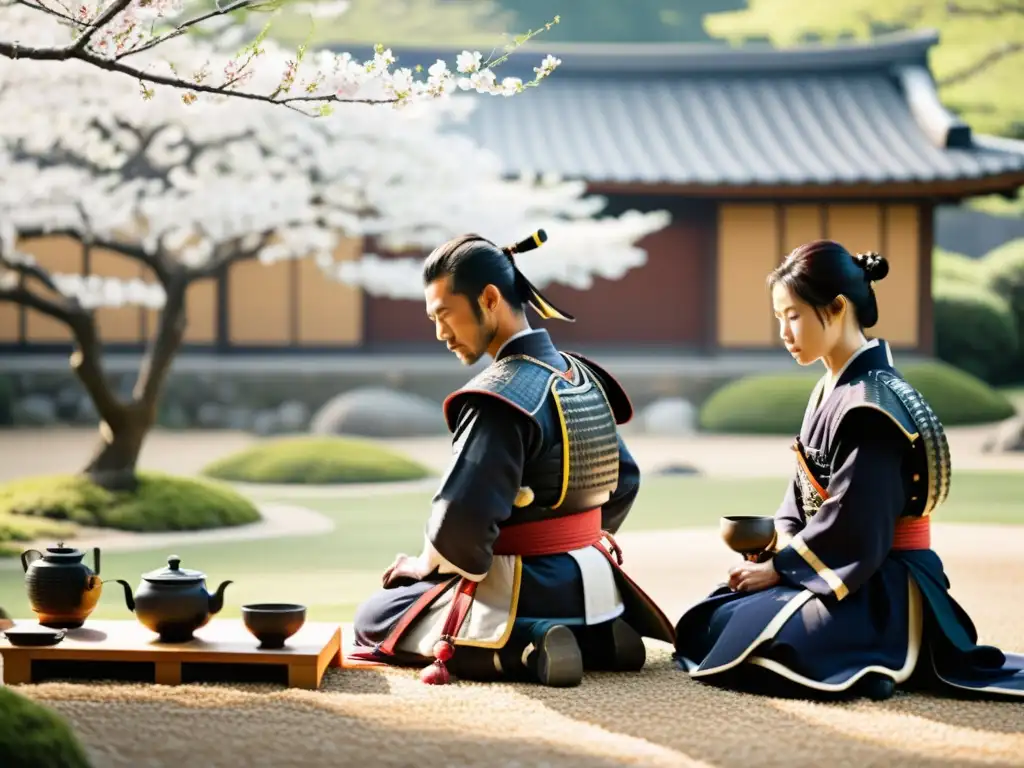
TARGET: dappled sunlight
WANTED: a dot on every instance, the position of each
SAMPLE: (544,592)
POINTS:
(658,717)
(926,735)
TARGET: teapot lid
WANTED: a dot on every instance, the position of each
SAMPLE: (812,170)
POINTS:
(173,573)
(60,553)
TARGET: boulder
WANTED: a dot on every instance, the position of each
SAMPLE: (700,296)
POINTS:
(669,416)
(677,469)
(379,412)
(1008,436)
(35,411)
(292,416)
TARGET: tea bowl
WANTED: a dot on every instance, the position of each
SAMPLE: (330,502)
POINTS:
(747,534)
(273,623)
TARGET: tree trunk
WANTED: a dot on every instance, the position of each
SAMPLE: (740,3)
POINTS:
(123,430)
(112,465)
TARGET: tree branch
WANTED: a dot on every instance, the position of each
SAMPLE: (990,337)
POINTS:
(105,18)
(85,360)
(986,61)
(129,250)
(170,333)
(87,363)
(27,267)
(991,11)
(226,254)
(80,50)
(21,295)
(183,28)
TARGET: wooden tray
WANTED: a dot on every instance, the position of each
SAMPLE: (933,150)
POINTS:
(223,649)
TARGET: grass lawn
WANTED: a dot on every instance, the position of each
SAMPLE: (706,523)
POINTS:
(332,573)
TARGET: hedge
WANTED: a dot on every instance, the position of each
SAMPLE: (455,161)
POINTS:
(1005,271)
(315,461)
(975,329)
(774,404)
(949,265)
(53,506)
(34,736)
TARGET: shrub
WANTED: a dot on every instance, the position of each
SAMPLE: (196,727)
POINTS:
(949,265)
(975,329)
(33,736)
(316,460)
(774,404)
(159,503)
(1005,272)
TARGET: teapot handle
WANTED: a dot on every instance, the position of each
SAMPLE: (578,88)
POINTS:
(26,561)
(96,560)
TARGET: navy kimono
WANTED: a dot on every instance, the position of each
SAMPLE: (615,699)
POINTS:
(535,441)
(862,594)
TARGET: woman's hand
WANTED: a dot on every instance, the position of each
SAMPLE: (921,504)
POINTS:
(752,577)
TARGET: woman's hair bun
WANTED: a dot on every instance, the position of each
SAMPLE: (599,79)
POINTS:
(874,265)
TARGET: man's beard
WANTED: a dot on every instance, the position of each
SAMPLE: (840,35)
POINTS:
(486,337)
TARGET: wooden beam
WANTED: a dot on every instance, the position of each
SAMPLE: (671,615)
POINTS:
(947,190)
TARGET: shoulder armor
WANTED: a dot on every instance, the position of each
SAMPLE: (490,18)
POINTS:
(621,405)
(518,380)
(886,392)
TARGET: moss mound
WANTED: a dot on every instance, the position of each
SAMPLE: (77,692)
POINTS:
(32,736)
(774,404)
(54,506)
(317,460)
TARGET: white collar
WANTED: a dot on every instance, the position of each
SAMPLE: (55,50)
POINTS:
(860,350)
(518,334)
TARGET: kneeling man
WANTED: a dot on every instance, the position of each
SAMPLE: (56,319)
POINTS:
(514,581)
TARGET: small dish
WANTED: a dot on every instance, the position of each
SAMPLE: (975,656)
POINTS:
(34,637)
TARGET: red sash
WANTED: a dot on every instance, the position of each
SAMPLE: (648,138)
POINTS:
(912,533)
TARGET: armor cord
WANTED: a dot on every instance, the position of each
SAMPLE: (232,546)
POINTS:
(614,548)
(437,673)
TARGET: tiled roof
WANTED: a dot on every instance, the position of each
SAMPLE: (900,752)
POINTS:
(699,115)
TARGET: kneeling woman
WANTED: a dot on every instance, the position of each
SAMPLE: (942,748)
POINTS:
(851,600)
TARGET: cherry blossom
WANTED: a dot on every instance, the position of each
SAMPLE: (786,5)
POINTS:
(149,41)
(188,189)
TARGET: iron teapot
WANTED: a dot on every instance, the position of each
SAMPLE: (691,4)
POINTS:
(62,590)
(173,601)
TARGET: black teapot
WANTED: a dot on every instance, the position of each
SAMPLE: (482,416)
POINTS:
(62,590)
(173,601)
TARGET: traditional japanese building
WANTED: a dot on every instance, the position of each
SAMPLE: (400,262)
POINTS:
(752,150)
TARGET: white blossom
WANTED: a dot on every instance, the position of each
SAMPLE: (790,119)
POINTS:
(147,40)
(214,180)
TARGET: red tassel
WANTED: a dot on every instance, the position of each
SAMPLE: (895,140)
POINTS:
(436,674)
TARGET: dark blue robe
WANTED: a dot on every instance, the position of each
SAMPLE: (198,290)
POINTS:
(848,605)
(492,443)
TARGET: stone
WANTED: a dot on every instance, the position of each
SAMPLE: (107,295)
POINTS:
(266,423)
(379,412)
(677,469)
(173,416)
(239,418)
(210,415)
(669,416)
(1007,437)
(86,413)
(293,416)
(35,410)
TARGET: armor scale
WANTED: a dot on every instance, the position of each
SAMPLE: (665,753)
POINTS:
(886,392)
(578,466)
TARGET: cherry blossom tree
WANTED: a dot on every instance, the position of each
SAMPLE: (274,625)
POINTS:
(150,42)
(189,190)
